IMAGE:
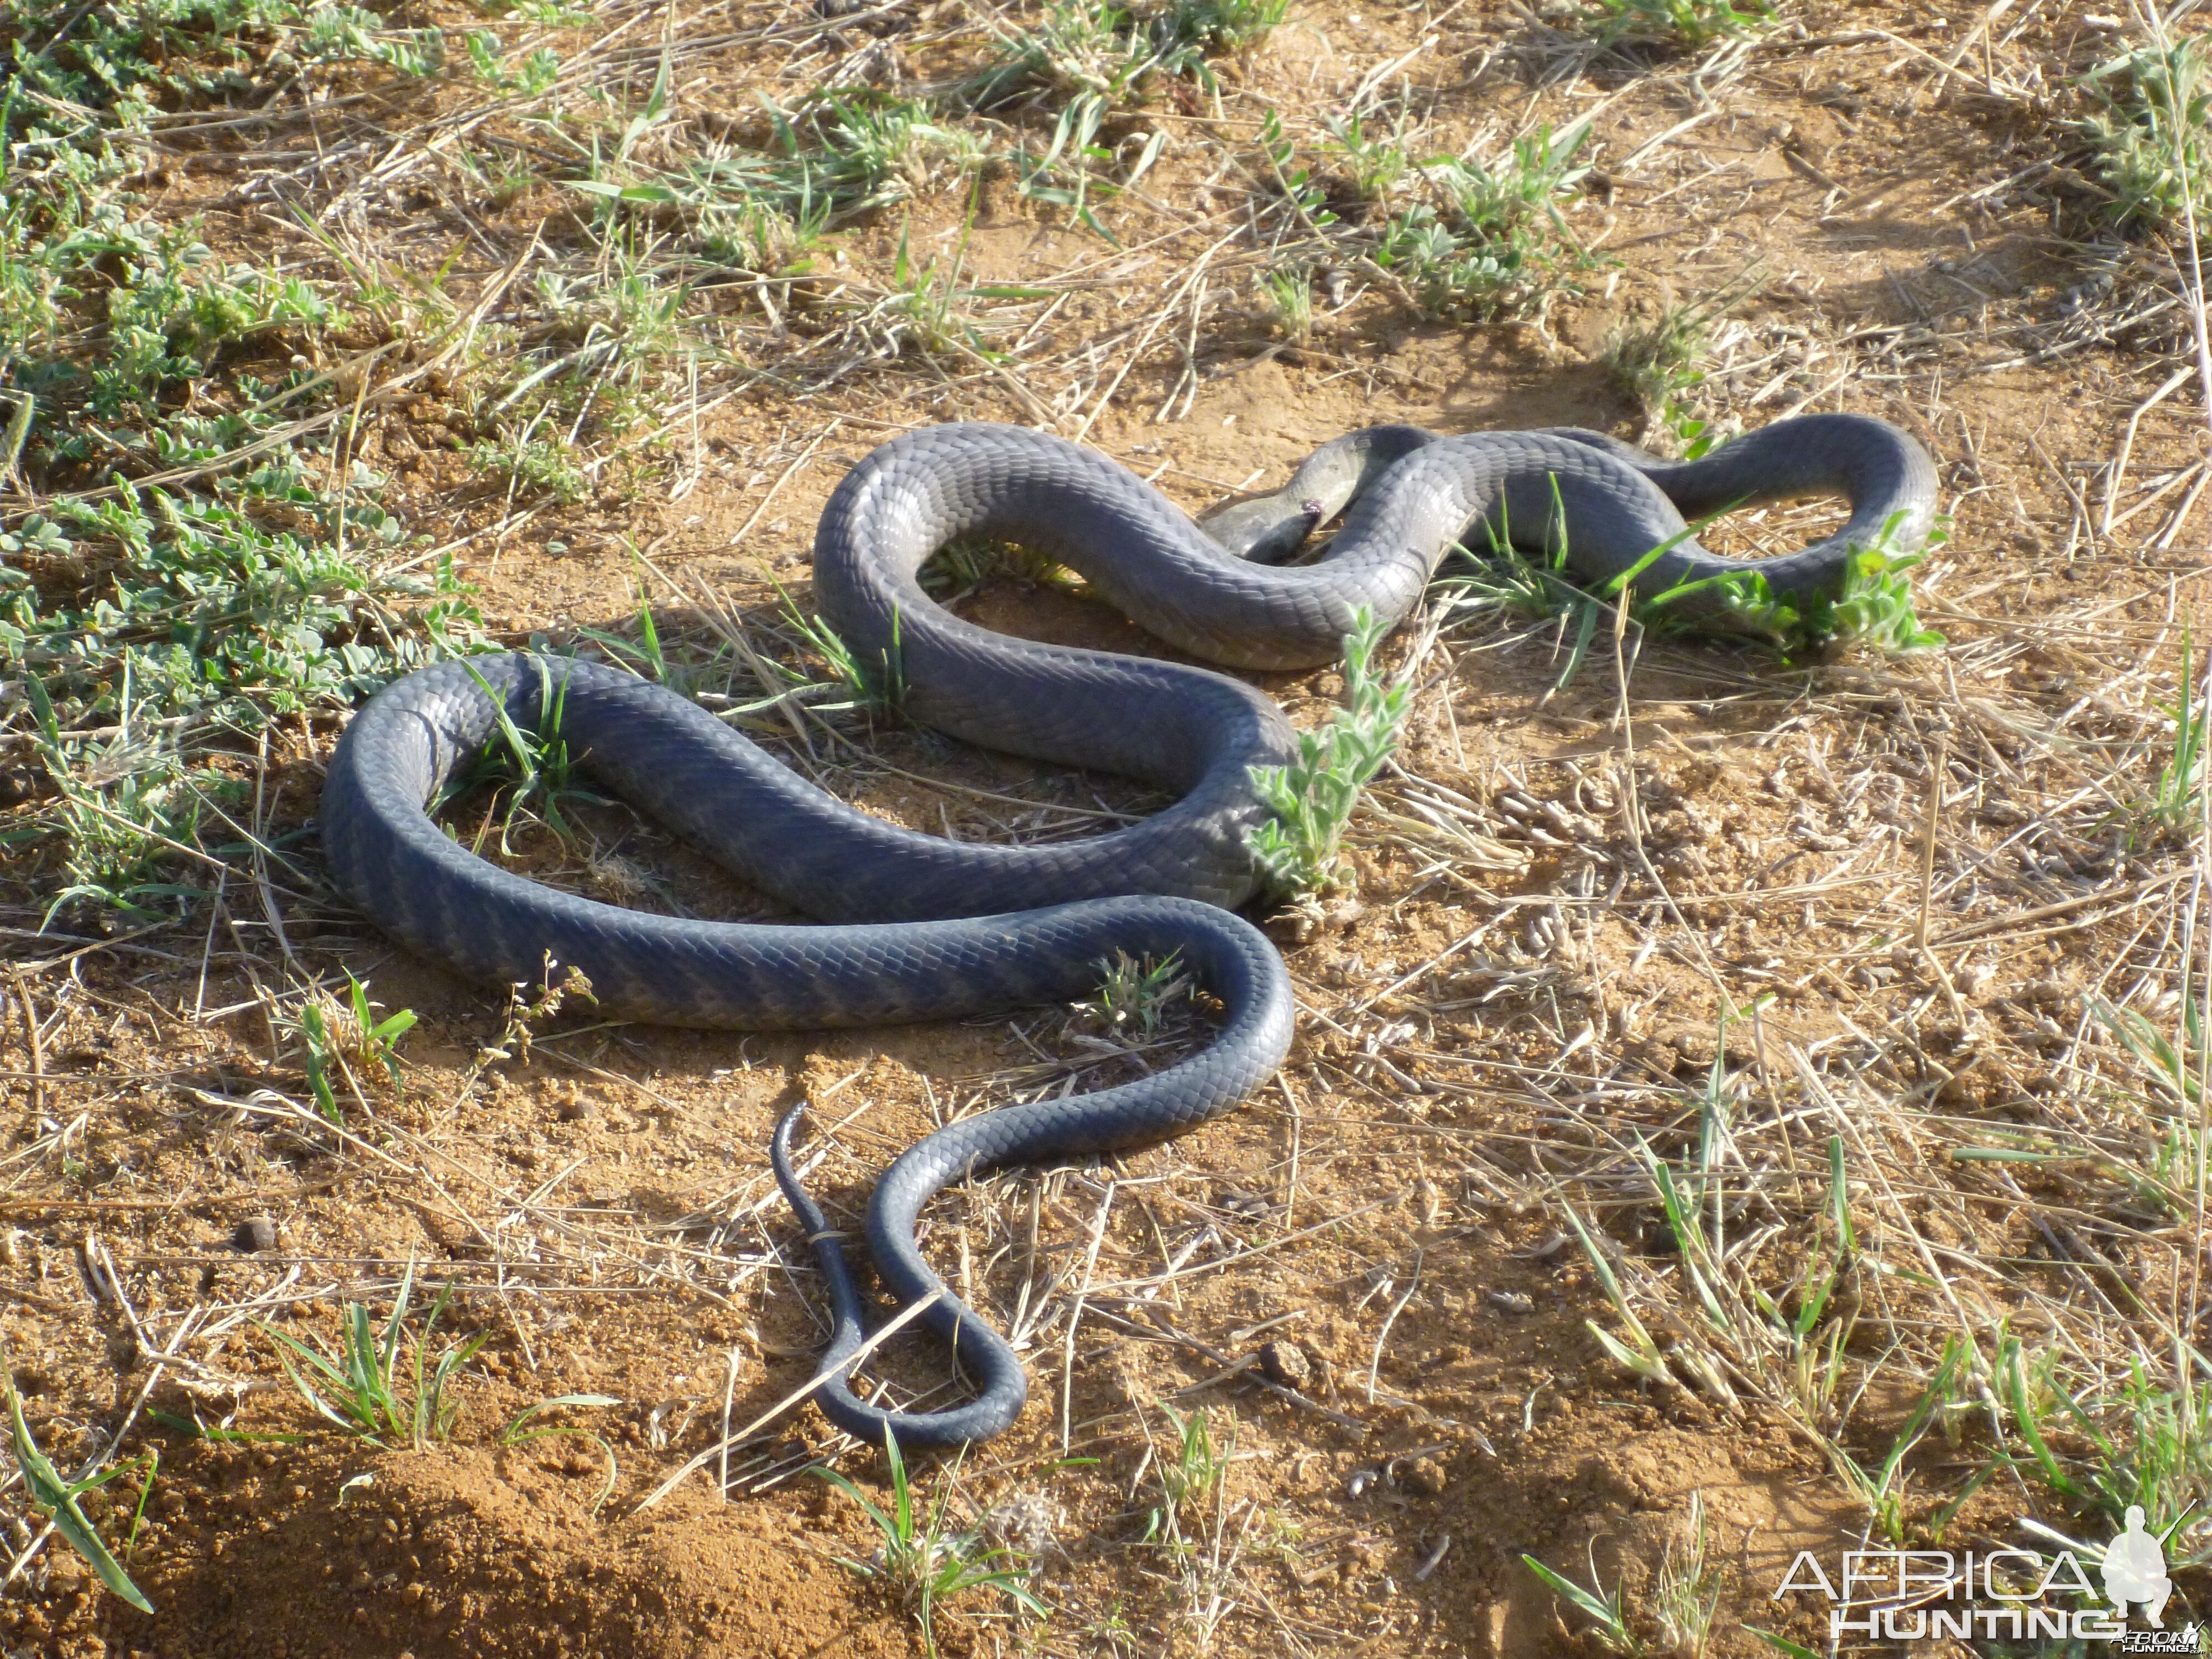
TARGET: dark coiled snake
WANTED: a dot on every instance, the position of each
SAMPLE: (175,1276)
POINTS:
(909,939)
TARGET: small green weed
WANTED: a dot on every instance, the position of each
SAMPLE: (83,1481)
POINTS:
(342,1037)
(924,306)
(533,466)
(1607,1611)
(532,766)
(61,1501)
(879,689)
(2176,806)
(1134,997)
(1689,23)
(1658,361)
(1687,1592)
(1313,797)
(1189,1480)
(1288,293)
(533,77)
(366,1379)
(923,1559)
(1374,161)
(529,1006)
(966,560)
(1084,46)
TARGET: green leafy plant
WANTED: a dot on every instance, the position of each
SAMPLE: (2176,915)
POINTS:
(338,1036)
(924,306)
(369,1392)
(1312,799)
(922,1558)
(533,764)
(881,689)
(1289,295)
(1070,171)
(533,466)
(2152,141)
(1375,161)
(61,1500)
(1658,361)
(1492,241)
(1873,605)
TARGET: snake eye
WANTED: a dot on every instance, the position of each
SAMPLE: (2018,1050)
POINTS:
(1312,509)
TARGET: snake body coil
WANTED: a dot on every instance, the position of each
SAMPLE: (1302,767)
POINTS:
(927,928)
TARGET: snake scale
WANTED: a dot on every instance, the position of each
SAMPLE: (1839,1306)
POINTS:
(921,927)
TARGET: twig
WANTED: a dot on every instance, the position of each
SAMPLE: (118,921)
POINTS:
(907,1316)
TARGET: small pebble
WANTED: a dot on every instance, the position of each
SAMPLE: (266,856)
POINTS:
(1513,1302)
(1285,1363)
(254,1235)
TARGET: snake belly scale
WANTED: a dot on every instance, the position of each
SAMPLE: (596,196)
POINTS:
(921,928)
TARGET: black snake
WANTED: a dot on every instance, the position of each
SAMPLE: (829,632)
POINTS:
(927,929)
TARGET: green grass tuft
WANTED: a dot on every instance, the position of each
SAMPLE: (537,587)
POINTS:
(368,1379)
(925,1560)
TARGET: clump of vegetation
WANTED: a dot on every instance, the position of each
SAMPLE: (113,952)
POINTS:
(1314,797)
(1095,47)
(1872,605)
(2146,1442)
(1493,241)
(1659,363)
(347,1038)
(1678,23)
(371,1391)
(838,155)
(2152,141)
(923,1559)
(1134,996)
(1189,1480)
(1607,1610)
(206,567)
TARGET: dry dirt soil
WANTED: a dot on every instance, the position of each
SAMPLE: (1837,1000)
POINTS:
(1559,890)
